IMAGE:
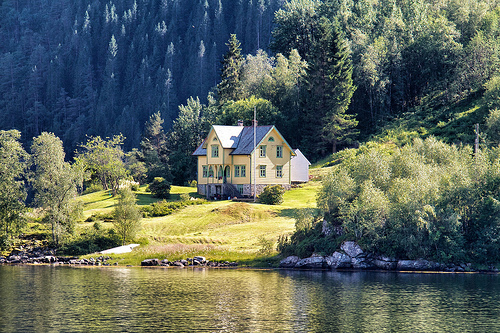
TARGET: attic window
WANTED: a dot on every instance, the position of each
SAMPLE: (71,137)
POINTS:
(215,139)
(271,139)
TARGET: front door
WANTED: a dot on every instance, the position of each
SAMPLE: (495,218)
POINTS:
(227,173)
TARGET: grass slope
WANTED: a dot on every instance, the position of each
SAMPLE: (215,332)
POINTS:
(218,230)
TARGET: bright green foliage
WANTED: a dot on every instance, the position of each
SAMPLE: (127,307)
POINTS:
(55,183)
(104,160)
(244,110)
(296,25)
(127,216)
(13,164)
(272,195)
(160,188)
(493,126)
(188,132)
(425,200)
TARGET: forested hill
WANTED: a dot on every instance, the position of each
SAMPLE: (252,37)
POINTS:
(79,68)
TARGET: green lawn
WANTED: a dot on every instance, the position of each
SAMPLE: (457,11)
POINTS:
(219,230)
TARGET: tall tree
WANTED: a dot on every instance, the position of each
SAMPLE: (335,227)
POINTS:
(329,90)
(127,216)
(154,148)
(229,89)
(13,167)
(104,160)
(55,183)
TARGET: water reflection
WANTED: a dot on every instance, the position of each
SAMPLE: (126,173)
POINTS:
(64,299)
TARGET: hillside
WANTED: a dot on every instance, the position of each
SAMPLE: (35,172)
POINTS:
(219,230)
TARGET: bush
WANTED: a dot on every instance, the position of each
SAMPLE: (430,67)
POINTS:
(163,207)
(185,197)
(92,188)
(272,195)
(160,188)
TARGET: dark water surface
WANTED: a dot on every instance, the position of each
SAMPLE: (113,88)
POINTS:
(66,299)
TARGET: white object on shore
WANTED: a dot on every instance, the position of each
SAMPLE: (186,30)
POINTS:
(120,249)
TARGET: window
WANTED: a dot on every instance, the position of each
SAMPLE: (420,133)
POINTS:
(210,171)
(262,151)
(215,150)
(239,171)
(205,171)
(240,189)
(262,171)
(271,139)
(279,171)
(279,151)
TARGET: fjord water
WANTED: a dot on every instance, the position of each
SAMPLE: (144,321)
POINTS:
(113,299)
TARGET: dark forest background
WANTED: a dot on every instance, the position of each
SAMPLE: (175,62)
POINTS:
(78,68)
(100,68)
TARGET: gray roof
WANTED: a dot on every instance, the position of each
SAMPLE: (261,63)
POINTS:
(239,138)
(245,144)
(200,151)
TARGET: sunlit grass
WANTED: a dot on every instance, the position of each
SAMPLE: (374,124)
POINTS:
(219,230)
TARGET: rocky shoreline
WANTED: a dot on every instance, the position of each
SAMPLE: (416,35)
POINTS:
(196,261)
(351,256)
(47,256)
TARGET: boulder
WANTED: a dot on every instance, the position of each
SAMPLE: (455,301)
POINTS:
(338,260)
(386,263)
(352,249)
(417,265)
(289,262)
(313,262)
(150,262)
(178,264)
(362,262)
(200,259)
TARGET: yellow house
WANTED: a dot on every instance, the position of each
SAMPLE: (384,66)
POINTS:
(231,165)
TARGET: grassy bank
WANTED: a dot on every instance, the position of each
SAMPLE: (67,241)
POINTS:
(219,230)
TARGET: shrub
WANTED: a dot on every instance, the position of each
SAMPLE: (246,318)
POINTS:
(272,195)
(163,207)
(185,197)
(93,188)
(160,188)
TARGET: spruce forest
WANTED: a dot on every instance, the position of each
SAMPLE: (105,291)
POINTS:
(141,82)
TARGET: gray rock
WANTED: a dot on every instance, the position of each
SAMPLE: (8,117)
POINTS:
(338,260)
(386,263)
(200,259)
(178,264)
(352,249)
(314,262)
(362,262)
(150,262)
(417,265)
(289,262)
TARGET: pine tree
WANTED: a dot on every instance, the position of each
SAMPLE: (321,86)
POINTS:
(330,88)
(229,88)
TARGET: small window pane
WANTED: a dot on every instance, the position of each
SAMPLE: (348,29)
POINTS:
(215,150)
(262,151)
(279,171)
(279,151)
